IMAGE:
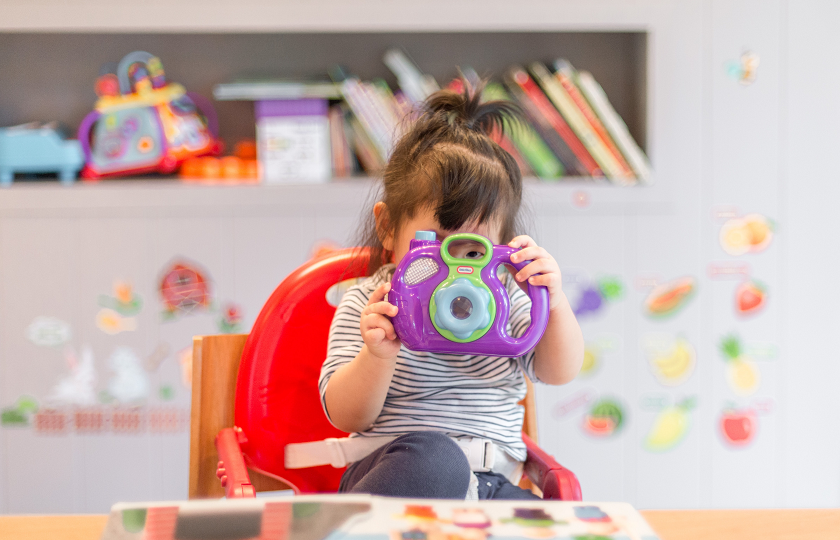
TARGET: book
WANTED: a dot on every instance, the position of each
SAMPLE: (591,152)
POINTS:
(342,158)
(616,127)
(547,121)
(416,85)
(367,154)
(561,99)
(269,89)
(566,76)
(532,148)
(365,517)
(293,140)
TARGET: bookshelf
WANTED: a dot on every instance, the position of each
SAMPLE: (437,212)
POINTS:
(617,60)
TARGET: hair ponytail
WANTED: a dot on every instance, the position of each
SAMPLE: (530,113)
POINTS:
(447,161)
(467,109)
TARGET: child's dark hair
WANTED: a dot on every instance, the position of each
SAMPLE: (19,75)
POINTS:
(448,162)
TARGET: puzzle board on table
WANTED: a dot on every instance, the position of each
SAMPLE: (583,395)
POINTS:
(339,517)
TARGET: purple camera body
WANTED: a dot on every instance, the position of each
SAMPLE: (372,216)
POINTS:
(459,306)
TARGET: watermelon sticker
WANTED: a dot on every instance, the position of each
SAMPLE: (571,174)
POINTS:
(667,299)
(604,419)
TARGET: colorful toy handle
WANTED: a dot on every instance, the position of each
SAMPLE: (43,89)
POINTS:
(452,305)
(135,57)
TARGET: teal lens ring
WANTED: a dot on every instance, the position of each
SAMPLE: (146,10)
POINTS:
(462,308)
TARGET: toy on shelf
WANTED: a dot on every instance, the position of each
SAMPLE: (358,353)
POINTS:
(451,303)
(143,124)
(240,168)
(36,148)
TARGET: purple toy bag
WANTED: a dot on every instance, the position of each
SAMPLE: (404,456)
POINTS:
(452,305)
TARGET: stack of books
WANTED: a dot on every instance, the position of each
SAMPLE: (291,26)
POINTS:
(570,129)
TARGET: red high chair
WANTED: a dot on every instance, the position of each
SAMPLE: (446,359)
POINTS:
(276,394)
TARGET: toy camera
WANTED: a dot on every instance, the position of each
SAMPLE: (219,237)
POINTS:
(143,124)
(458,305)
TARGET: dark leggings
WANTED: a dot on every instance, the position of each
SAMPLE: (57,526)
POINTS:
(424,464)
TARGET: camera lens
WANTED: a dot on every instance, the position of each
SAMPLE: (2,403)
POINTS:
(461,307)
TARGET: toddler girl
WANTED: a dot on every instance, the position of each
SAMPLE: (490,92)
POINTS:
(421,414)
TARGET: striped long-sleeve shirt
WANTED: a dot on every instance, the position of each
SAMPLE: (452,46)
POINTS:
(459,395)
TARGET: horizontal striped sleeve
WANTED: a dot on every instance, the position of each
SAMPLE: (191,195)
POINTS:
(520,319)
(345,341)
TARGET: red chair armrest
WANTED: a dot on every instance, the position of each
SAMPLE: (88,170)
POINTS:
(232,471)
(555,481)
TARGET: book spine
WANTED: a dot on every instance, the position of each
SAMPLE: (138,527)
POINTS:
(365,112)
(574,117)
(369,158)
(588,166)
(546,125)
(507,145)
(615,125)
(532,148)
(566,76)
(337,159)
(353,164)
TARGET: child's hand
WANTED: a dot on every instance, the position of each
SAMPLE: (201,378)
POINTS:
(542,263)
(377,330)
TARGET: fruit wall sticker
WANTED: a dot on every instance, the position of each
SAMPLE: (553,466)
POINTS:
(184,288)
(48,332)
(671,358)
(738,426)
(741,371)
(670,427)
(595,296)
(118,311)
(668,298)
(749,234)
(750,298)
(591,361)
(604,419)
(20,414)
(743,70)
(594,352)
(230,320)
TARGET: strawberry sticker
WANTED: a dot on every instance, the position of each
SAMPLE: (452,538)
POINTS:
(750,298)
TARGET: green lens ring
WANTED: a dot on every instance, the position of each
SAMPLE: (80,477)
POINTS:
(475,263)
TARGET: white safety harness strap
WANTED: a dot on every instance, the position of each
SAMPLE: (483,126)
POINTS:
(482,454)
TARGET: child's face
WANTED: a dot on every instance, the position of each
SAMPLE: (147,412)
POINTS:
(425,220)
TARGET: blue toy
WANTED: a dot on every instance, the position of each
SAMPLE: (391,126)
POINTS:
(35,148)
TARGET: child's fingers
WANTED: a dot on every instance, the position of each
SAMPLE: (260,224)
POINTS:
(379,294)
(382,308)
(539,266)
(378,322)
(522,241)
(543,280)
(530,253)
(375,336)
